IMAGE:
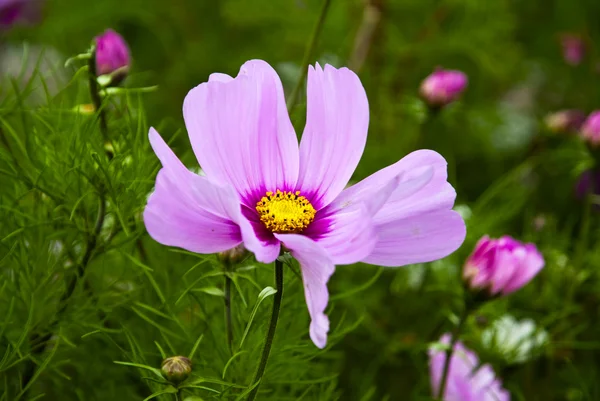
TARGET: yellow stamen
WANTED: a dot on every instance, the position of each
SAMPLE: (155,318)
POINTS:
(285,212)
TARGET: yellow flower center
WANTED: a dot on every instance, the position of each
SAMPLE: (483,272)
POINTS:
(285,212)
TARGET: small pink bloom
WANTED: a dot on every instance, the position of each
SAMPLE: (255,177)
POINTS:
(573,49)
(590,131)
(112,54)
(467,380)
(13,12)
(501,266)
(262,189)
(443,86)
(565,121)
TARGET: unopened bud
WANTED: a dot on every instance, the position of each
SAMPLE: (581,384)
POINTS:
(565,121)
(176,369)
(233,255)
(112,58)
(443,87)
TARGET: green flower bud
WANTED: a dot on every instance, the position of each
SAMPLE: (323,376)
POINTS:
(233,255)
(176,369)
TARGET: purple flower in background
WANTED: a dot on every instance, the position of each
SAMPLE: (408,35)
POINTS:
(467,380)
(590,131)
(18,11)
(443,86)
(501,266)
(263,190)
(112,54)
(573,48)
(565,121)
(589,182)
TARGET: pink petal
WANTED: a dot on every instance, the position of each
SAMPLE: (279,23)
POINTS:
(417,239)
(422,187)
(350,235)
(241,133)
(529,267)
(337,119)
(188,211)
(435,194)
(317,268)
(193,213)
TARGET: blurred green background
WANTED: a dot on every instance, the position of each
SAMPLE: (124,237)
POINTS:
(511,175)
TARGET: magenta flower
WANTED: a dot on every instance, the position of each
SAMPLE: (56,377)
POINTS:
(112,54)
(502,266)
(467,380)
(590,131)
(443,86)
(573,49)
(263,190)
(565,121)
(18,11)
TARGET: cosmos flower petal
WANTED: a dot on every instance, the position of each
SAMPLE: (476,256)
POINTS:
(350,236)
(317,268)
(241,133)
(467,379)
(418,238)
(219,77)
(189,211)
(422,187)
(531,264)
(337,119)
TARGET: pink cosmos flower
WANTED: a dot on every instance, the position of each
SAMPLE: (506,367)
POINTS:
(467,380)
(112,53)
(590,131)
(573,48)
(443,86)
(502,266)
(263,190)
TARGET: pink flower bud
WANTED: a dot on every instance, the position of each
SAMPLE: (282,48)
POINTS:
(112,55)
(565,121)
(501,266)
(443,87)
(590,131)
(573,49)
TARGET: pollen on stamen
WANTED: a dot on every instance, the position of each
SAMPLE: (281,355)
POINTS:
(285,211)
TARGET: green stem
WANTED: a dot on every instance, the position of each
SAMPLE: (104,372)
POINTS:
(228,312)
(453,339)
(291,101)
(97,101)
(271,332)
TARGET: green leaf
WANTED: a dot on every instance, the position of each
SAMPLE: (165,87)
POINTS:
(265,293)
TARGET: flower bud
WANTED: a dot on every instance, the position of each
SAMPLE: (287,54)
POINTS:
(590,131)
(501,266)
(565,121)
(573,48)
(233,255)
(176,369)
(112,56)
(443,87)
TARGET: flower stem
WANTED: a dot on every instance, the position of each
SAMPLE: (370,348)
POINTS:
(271,332)
(291,100)
(453,339)
(97,101)
(228,312)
